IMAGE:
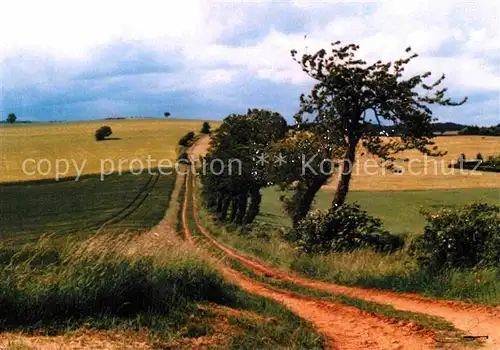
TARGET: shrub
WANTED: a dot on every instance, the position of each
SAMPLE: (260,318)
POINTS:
(187,139)
(460,238)
(345,228)
(479,156)
(102,132)
(205,128)
(183,158)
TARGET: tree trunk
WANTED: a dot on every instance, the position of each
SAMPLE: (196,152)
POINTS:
(345,178)
(242,208)
(254,207)
(234,208)
(306,198)
(225,207)
(220,200)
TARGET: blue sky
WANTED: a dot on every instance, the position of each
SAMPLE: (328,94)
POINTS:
(206,59)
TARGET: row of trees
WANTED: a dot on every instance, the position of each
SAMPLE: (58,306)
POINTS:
(350,106)
(481,130)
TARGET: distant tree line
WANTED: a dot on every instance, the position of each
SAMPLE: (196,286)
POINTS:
(481,130)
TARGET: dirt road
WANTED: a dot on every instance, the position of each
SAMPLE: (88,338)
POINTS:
(471,319)
(344,327)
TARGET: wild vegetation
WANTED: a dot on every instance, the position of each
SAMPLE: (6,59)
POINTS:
(338,119)
(137,282)
(103,264)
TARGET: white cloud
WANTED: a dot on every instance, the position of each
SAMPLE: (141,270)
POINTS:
(52,41)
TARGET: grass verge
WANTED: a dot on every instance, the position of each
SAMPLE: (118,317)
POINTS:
(445,332)
(397,272)
(132,283)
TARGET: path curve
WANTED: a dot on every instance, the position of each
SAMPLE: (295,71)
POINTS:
(344,327)
(473,320)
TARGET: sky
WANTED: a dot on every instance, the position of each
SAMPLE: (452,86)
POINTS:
(67,60)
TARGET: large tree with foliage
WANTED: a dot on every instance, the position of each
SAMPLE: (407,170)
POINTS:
(11,118)
(350,95)
(308,154)
(241,138)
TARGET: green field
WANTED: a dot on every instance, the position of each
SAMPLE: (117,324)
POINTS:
(398,210)
(132,141)
(70,208)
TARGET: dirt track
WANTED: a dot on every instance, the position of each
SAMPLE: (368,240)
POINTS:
(471,319)
(344,327)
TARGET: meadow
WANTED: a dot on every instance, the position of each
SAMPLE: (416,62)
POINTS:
(74,141)
(398,210)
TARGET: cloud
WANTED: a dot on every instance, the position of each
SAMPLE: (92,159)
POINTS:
(209,59)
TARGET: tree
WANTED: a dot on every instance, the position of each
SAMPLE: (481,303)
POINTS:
(205,128)
(307,168)
(11,118)
(102,132)
(166,114)
(351,95)
(236,186)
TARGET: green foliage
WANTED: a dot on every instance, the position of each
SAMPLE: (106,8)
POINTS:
(187,139)
(11,118)
(466,237)
(308,166)
(103,132)
(205,128)
(101,286)
(184,158)
(235,176)
(350,91)
(345,228)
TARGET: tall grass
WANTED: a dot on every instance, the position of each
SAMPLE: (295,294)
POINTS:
(104,277)
(153,281)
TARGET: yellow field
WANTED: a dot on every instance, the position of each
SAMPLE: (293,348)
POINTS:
(74,142)
(431,173)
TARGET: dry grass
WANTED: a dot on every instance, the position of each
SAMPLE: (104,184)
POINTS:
(137,138)
(78,340)
(371,178)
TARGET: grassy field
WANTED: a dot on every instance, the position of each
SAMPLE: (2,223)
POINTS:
(79,208)
(399,210)
(74,141)
(157,291)
(422,173)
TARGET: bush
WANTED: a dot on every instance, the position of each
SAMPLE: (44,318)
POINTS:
(102,132)
(183,158)
(187,139)
(205,128)
(342,229)
(460,238)
(479,156)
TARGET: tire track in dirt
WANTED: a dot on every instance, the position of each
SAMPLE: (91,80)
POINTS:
(345,327)
(471,319)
